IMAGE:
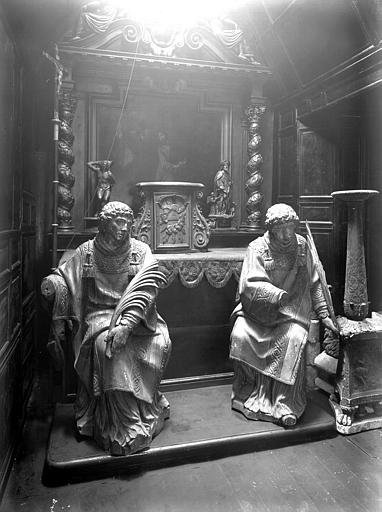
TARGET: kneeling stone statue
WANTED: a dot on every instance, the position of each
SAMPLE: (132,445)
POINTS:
(279,286)
(105,294)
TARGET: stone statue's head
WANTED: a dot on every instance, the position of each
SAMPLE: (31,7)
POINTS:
(224,165)
(107,164)
(116,218)
(279,214)
(281,221)
(163,137)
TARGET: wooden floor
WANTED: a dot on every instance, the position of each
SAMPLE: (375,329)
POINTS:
(339,474)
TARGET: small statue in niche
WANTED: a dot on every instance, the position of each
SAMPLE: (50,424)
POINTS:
(105,181)
(221,207)
(279,286)
(105,293)
(167,171)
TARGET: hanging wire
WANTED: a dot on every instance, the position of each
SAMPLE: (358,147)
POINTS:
(115,133)
(123,104)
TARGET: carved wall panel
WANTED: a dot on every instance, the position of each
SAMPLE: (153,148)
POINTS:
(316,164)
(4,304)
(15,310)
(316,212)
(4,254)
(14,250)
(17,214)
(28,274)
(287,164)
(10,411)
(287,119)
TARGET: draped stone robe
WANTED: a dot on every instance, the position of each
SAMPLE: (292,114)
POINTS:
(267,340)
(118,402)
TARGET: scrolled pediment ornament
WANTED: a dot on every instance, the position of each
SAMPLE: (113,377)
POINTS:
(99,23)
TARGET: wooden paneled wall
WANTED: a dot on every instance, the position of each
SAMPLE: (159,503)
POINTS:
(17,259)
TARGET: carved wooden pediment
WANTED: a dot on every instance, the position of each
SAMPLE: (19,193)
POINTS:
(101,26)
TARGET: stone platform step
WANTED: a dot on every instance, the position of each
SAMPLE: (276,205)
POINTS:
(202,426)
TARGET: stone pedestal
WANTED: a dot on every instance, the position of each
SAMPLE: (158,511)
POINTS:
(170,219)
(356,401)
(356,305)
(359,377)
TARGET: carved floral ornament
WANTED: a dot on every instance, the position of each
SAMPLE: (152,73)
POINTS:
(100,22)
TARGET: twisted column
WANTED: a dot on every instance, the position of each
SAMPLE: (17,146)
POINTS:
(66,179)
(255,179)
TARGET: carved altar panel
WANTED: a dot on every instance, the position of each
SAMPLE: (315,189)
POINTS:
(172,217)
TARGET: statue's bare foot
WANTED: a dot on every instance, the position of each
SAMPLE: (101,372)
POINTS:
(344,419)
(288,420)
